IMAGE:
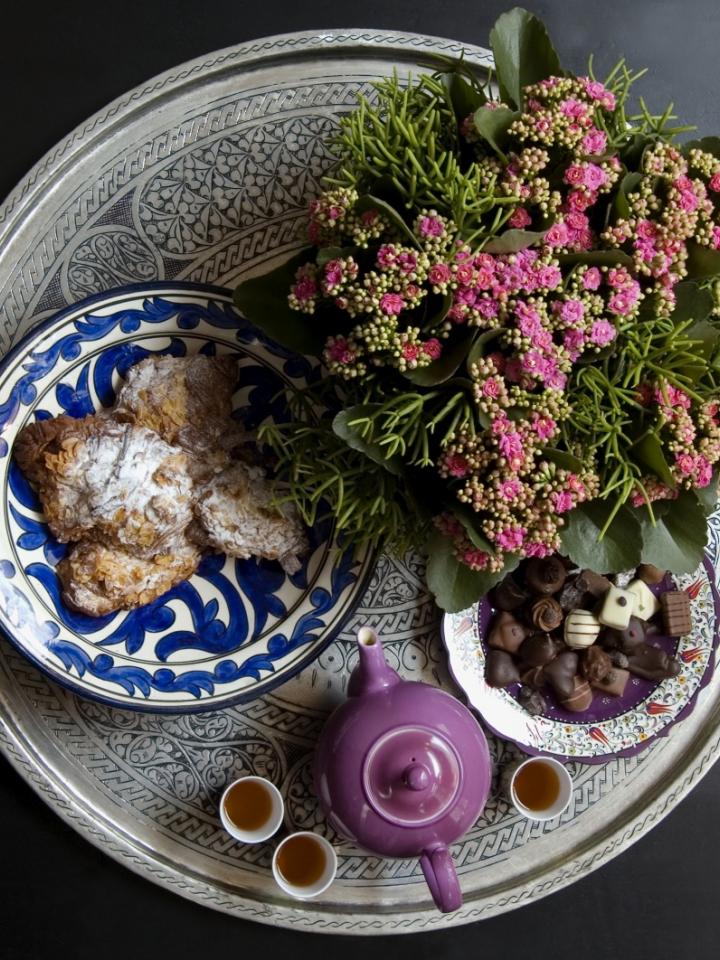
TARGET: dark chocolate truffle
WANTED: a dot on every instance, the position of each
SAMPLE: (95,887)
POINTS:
(538,650)
(545,575)
(573,595)
(500,669)
(595,664)
(652,663)
(628,639)
(560,673)
(507,633)
(508,594)
(546,614)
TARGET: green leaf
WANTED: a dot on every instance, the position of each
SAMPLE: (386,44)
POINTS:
(691,302)
(513,240)
(620,546)
(631,154)
(326,254)
(563,459)
(464,97)
(454,585)
(264,301)
(706,335)
(523,54)
(627,185)
(351,433)
(702,262)
(708,496)
(597,258)
(493,126)
(369,202)
(478,349)
(468,518)
(708,144)
(437,316)
(677,541)
(649,452)
(454,352)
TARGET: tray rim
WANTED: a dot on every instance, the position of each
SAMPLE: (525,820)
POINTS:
(37,769)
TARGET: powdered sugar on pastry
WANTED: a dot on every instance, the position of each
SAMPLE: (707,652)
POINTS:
(114,481)
(238,517)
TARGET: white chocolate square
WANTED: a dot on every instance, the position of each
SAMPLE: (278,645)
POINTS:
(646,603)
(617,608)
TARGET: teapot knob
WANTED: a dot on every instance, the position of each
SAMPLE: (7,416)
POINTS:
(416,776)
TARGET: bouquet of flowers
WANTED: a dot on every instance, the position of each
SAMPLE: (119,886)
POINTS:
(514,289)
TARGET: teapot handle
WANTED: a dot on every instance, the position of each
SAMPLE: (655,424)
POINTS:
(439,870)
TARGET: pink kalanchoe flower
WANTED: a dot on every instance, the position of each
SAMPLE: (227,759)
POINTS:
(407,261)
(431,227)
(333,273)
(576,221)
(621,303)
(475,558)
(509,489)
(557,235)
(602,332)
(520,218)
(542,339)
(511,538)
(685,464)
(574,341)
(715,241)
(391,303)
(334,213)
(714,183)
(456,465)
(595,177)
(544,427)
(457,313)
(411,351)
(703,471)
(491,388)
(511,446)
(573,108)
(646,229)
(550,277)
(594,142)
(369,217)
(572,312)
(464,273)
(563,501)
(574,175)
(513,369)
(592,279)
(484,279)
(575,484)
(487,308)
(305,289)
(537,550)
(339,351)
(432,348)
(688,201)
(386,255)
(439,273)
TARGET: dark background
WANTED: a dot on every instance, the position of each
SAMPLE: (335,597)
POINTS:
(59,897)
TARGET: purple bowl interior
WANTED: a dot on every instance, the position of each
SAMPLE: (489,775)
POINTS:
(603,706)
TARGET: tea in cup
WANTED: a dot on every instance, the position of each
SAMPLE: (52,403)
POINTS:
(540,788)
(304,865)
(251,809)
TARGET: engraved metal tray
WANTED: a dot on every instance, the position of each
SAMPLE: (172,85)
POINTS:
(203,174)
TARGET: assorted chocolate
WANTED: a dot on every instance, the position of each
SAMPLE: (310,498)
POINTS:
(570,633)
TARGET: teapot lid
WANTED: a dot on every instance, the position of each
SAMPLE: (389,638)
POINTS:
(411,775)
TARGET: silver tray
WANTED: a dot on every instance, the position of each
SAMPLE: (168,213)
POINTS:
(203,174)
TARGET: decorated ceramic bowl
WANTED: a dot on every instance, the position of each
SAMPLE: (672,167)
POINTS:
(619,726)
(237,628)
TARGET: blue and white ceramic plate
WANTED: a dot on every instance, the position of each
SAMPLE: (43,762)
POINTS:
(238,627)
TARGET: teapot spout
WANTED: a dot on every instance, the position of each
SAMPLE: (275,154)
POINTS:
(372,673)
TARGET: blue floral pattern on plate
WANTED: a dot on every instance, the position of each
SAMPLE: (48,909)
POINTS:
(237,627)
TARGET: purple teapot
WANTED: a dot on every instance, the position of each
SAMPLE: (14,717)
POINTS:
(402,769)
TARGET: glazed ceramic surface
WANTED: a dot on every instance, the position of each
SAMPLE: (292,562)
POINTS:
(236,628)
(612,725)
(201,175)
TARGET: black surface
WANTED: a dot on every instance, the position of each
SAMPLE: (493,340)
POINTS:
(59,896)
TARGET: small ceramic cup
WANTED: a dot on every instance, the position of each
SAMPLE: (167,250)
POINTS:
(271,825)
(307,891)
(564,792)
